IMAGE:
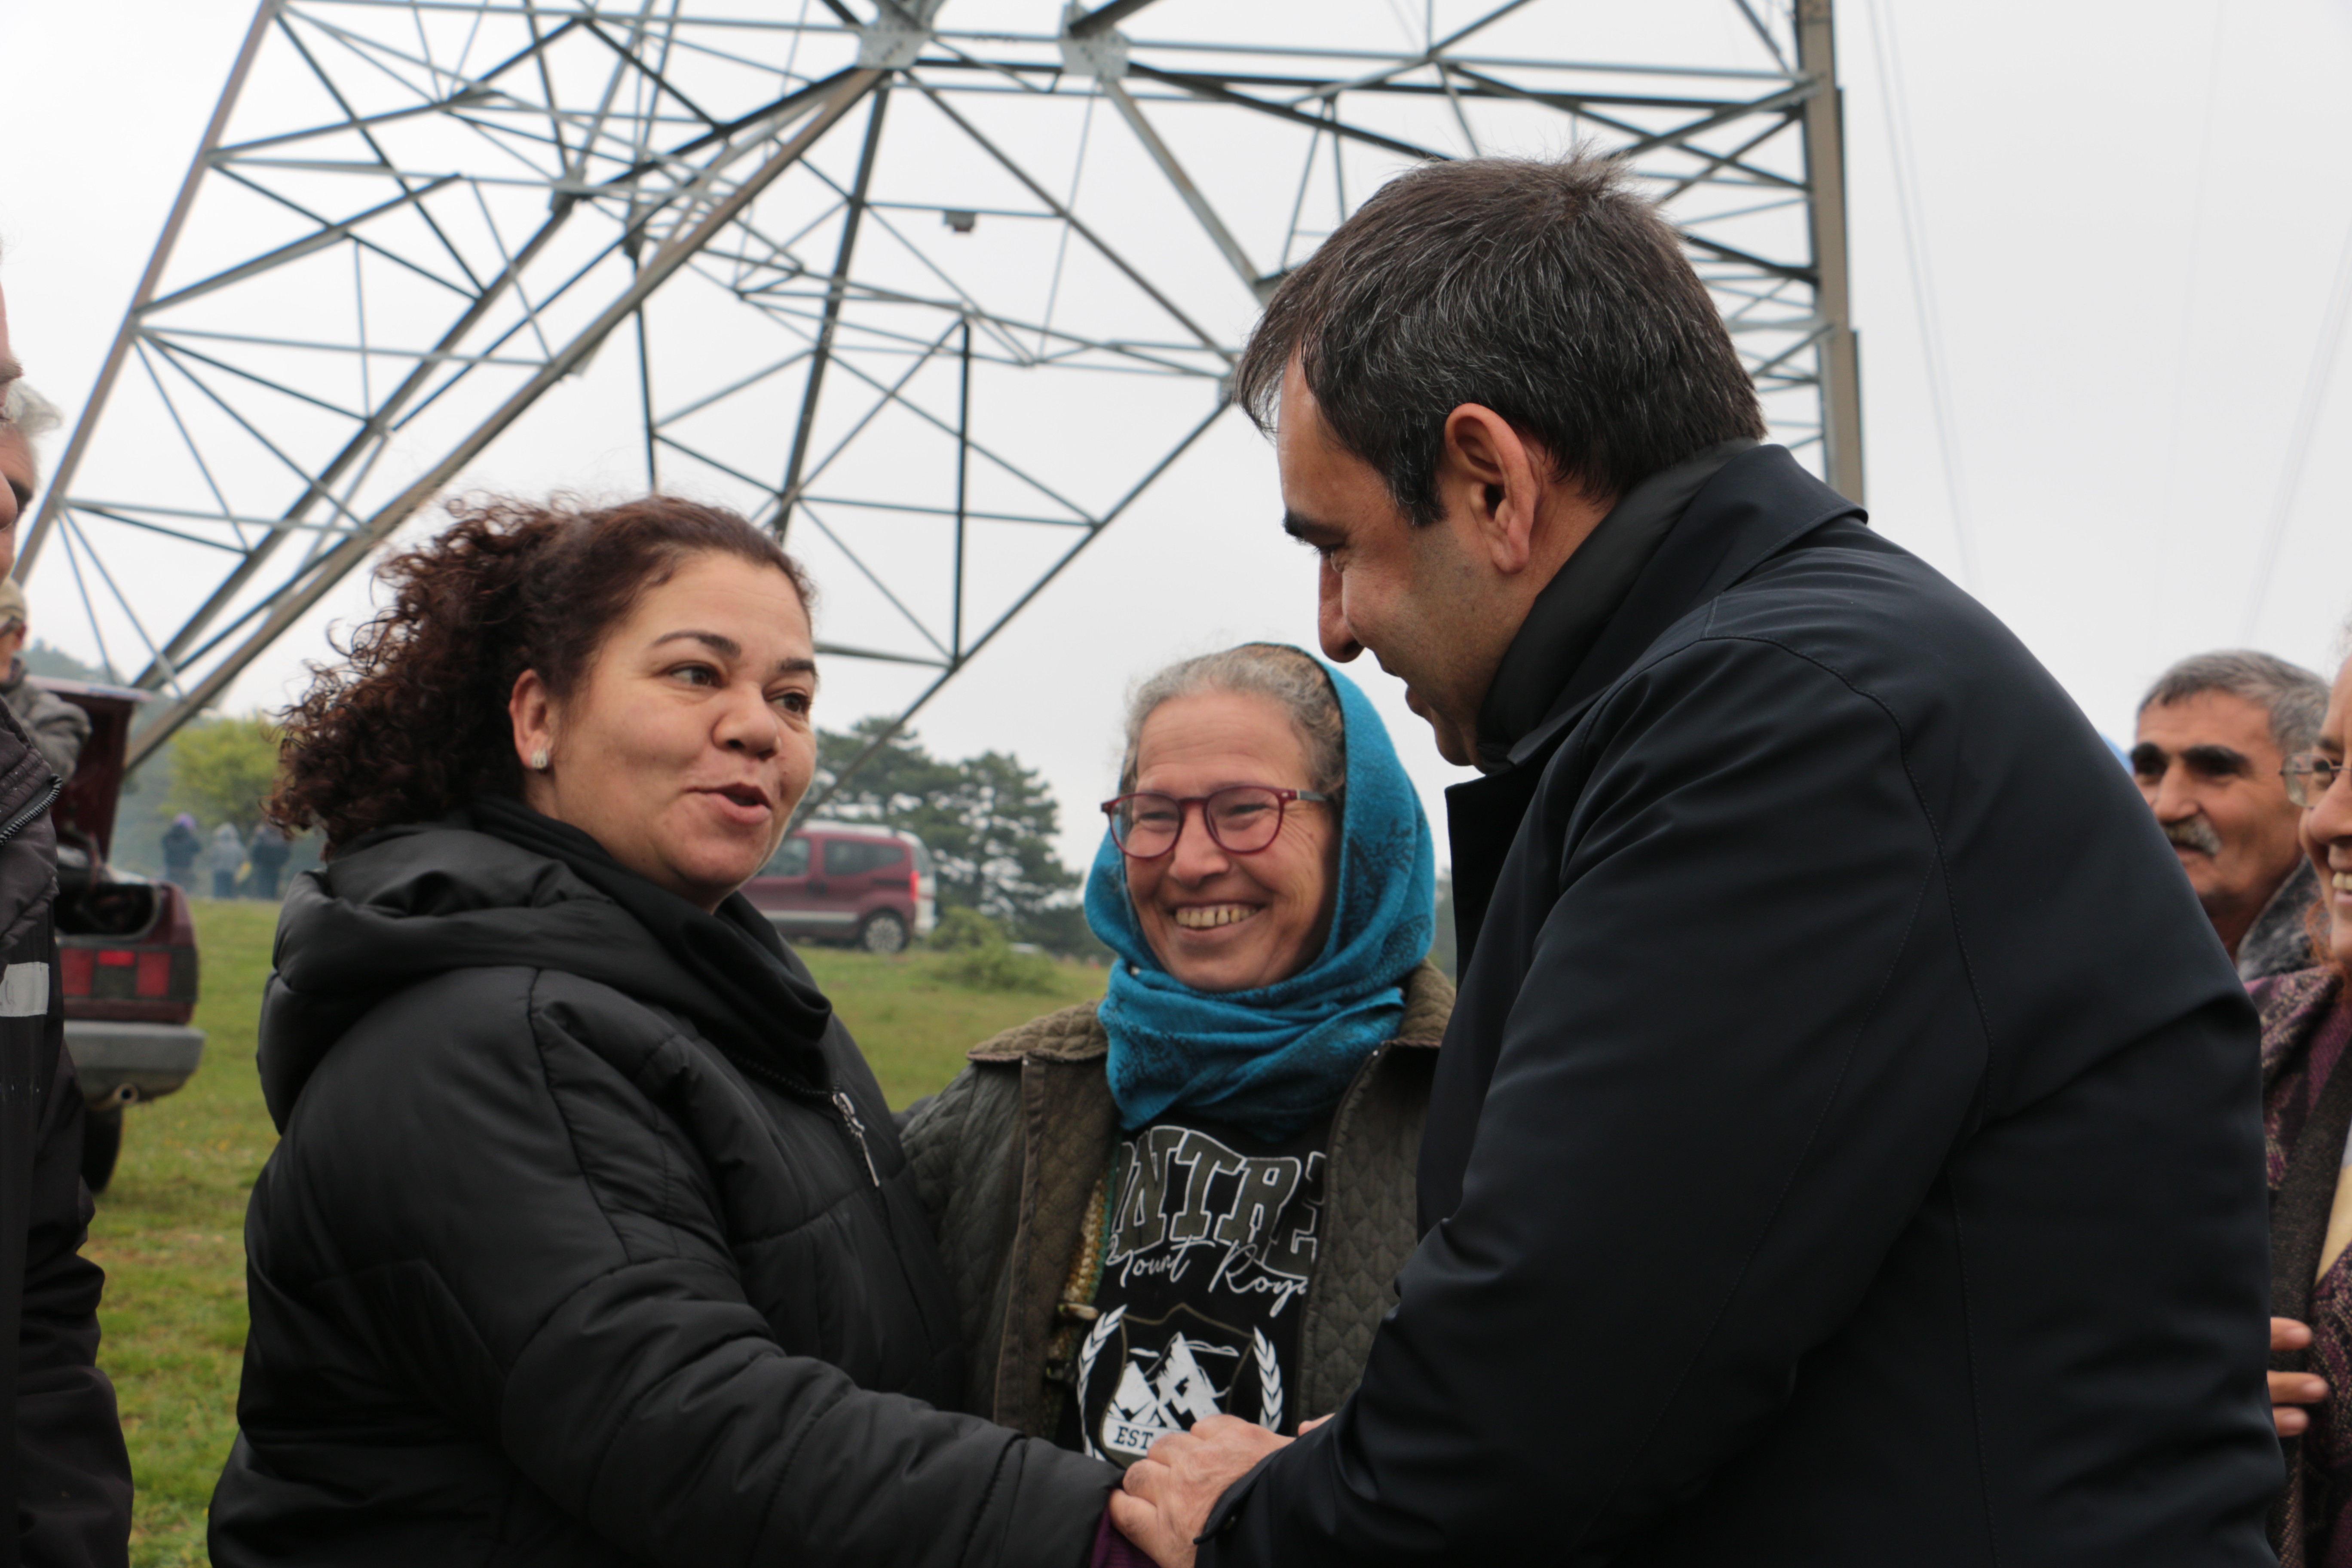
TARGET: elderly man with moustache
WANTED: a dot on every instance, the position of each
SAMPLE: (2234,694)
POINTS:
(1846,1148)
(2214,731)
(65,1478)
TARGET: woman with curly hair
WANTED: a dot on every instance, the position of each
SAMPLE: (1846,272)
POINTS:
(2307,1119)
(588,1238)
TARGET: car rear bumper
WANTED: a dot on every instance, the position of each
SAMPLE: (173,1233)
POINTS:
(149,1059)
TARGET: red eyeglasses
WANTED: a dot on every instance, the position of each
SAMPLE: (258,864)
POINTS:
(1242,818)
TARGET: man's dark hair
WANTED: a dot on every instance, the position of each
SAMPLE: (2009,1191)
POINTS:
(1549,293)
(2296,699)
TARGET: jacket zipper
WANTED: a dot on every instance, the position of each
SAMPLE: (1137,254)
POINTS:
(30,810)
(857,1130)
(836,1098)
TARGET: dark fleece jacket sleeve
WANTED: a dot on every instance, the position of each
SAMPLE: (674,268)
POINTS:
(522,1242)
(1675,1190)
(72,1474)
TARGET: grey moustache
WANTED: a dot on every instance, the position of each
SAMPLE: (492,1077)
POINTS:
(2196,833)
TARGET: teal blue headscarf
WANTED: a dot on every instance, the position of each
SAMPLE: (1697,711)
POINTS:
(1270,1060)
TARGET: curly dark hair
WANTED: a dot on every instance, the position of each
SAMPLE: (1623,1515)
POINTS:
(414,722)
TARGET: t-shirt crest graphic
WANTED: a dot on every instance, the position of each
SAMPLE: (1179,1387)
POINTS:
(1210,1251)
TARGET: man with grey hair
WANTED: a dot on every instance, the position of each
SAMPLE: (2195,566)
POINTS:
(2213,732)
(1846,1148)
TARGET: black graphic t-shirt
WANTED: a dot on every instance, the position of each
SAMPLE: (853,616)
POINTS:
(1211,1238)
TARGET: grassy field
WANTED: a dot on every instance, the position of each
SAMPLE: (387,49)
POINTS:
(170,1230)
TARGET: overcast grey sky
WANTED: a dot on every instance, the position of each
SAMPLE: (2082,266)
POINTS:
(2132,218)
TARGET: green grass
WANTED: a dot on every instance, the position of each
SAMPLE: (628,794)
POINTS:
(170,1231)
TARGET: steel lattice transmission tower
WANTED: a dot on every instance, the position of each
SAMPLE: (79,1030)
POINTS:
(935,288)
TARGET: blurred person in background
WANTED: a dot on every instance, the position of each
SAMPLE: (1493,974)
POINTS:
(268,851)
(1201,1186)
(227,857)
(2212,733)
(64,1475)
(181,845)
(588,1238)
(2307,1118)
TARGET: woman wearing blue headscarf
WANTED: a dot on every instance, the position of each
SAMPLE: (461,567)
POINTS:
(1191,1198)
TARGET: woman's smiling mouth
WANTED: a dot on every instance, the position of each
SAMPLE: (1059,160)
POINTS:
(1208,917)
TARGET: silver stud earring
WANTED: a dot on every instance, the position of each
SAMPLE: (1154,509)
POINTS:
(539,761)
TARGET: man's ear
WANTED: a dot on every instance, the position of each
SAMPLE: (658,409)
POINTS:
(532,708)
(1491,483)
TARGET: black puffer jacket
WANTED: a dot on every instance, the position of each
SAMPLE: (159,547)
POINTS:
(539,1275)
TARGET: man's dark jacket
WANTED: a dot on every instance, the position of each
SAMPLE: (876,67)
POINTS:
(1847,1145)
(541,1275)
(65,1476)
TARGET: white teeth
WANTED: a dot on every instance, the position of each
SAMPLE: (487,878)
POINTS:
(1214,915)
(2343,880)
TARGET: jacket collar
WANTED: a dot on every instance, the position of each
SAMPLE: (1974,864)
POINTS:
(1749,508)
(2276,942)
(1568,616)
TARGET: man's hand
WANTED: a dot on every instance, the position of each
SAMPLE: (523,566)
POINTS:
(2289,1390)
(1169,1492)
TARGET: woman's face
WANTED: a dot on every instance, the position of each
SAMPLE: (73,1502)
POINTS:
(2327,826)
(688,741)
(1219,921)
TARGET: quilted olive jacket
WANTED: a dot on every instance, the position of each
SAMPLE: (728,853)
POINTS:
(1009,1160)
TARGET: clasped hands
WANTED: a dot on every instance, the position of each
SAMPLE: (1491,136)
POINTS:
(1165,1502)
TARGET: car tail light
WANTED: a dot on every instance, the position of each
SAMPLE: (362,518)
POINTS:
(914,881)
(74,970)
(154,973)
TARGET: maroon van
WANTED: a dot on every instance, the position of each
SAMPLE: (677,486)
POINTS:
(126,949)
(849,882)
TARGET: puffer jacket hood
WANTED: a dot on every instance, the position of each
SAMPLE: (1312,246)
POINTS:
(410,903)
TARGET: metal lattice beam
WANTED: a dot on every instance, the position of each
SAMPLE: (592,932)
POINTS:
(938,288)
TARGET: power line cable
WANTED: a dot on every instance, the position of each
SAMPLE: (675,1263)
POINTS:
(1893,97)
(2298,445)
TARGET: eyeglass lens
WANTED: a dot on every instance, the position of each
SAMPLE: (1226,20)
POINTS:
(1242,819)
(2308,777)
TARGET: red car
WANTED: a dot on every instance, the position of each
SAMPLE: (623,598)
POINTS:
(126,949)
(849,882)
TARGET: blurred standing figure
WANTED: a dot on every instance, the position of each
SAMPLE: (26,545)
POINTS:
(65,1476)
(1846,1146)
(268,851)
(227,859)
(2307,1111)
(181,847)
(2212,733)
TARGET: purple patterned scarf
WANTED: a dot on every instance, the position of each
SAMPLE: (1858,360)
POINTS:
(2306,1024)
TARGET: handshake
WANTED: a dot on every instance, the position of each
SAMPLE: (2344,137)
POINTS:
(1168,1495)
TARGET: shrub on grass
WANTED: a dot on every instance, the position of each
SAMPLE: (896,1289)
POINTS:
(998,966)
(964,930)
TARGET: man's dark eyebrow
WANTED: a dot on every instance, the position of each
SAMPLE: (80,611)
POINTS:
(796,667)
(1305,530)
(2214,759)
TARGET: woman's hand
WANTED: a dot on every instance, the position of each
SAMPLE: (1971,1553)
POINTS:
(2290,1391)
